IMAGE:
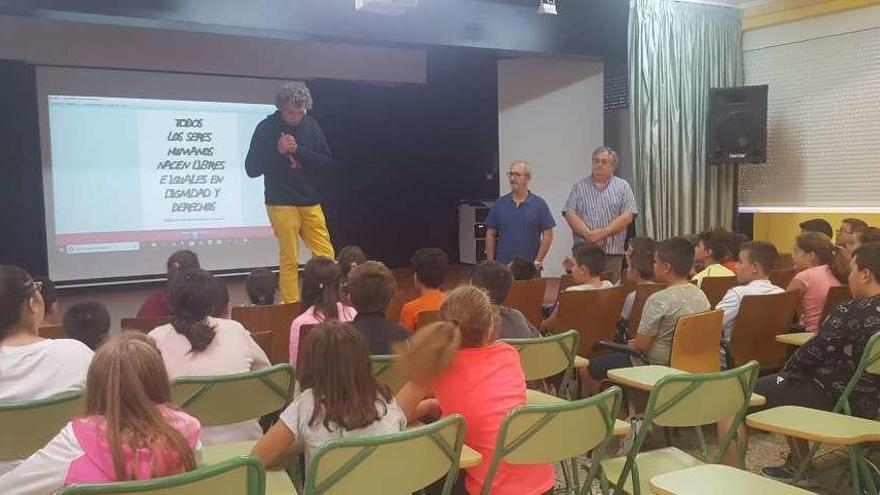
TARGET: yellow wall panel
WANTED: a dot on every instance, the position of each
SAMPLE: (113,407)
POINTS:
(782,228)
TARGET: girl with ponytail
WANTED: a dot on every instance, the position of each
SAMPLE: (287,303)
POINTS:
(822,265)
(321,282)
(198,344)
(470,374)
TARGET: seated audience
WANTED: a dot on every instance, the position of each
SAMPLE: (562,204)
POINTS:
(712,250)
(430,266)
(587,274)
(261,285)
(862,236)
(222,308)
(470,374)
(320,295)
(848,227)
(822,265)
(819,370)
(198,344)
(129,431)
(496,279)
(87,322)
(523,269)
(568,263)
(340,398)
(756,259)
(639,269)
(371,285)
(157,302)
(734,242)
(50,301)
(32,367)
(348,258)
(819,225)
(672,264)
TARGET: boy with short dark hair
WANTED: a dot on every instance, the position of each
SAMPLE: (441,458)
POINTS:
(371,285)
(817,225)
(87,322)
(496,279)
(430,266)
(712,250)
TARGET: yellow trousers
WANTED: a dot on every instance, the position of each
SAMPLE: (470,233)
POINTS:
(290,223)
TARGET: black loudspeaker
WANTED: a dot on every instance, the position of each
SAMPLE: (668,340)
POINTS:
(737,125)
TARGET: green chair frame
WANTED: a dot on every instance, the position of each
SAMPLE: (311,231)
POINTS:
(387,459)
(384,371)
(197,395)
(207,480)
(549,433)
(859,470)
(542,357)
(686,400)
(27,426)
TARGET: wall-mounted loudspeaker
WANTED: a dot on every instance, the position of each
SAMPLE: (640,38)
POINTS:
(737,125)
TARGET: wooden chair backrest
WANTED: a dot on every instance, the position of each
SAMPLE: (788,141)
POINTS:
(759,320)
(643,292)
(716,287)
(52,331)
(784,260)
(145,324)
(392,312)
(528,297)
(565,282)
(696,343)
(264,340)
(836,295)
(607,275)
(781,277)
(304,331)
(426,318)
(593,313)
(275,318)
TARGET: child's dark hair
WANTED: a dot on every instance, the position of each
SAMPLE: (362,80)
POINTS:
(855,223)
(494,278)
(735,240)
(819,225)
(349,257)
(335,365)
(219,298)
(371,286)
(87,322)
(191,298)
(50,295)
(591,257)
(679,253)
(867,256)
(718,241)
(761,252)
(826,253)
(16,288)
(430,265)
(643,248)
(867,234)
(320,286)
(261,285)
(523,269)
(181,261)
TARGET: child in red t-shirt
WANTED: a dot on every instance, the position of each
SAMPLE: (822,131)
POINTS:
(470,374)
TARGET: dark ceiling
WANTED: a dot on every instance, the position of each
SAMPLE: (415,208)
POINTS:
(594,28)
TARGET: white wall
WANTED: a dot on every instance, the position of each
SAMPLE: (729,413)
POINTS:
(50,42)
(550,114)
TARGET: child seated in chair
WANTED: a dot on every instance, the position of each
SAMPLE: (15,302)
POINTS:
(711,252)
(430,266)
(471,374)
(129,431)
(587,272)
(672,264)
(87,322)
(340,397)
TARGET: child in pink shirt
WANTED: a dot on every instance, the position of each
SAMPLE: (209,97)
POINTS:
(822,265)
(472,375)
(321,295)
(130,432)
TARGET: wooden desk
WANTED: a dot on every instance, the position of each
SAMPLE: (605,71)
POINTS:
(724,480)
(645,377)
(798,339)
(277,480)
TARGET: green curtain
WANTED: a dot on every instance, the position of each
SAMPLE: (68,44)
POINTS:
(677,51)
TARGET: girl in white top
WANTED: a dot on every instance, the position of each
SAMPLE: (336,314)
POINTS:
(340,397)
(196,344)
(32,367)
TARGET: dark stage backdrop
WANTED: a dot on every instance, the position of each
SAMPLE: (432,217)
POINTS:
(404,155)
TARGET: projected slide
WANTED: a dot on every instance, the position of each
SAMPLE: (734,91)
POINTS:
(142,174)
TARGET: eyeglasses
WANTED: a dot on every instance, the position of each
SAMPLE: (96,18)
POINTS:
(517,174)
(604,163)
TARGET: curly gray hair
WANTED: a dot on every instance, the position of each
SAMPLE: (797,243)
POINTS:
(296,93)
(601,150)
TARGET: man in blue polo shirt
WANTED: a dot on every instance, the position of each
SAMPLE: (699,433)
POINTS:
(519,223)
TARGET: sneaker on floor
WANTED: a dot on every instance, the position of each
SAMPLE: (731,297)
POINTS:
(785,474)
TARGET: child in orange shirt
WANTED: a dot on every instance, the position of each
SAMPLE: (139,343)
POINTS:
(430,266)
(473,375)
